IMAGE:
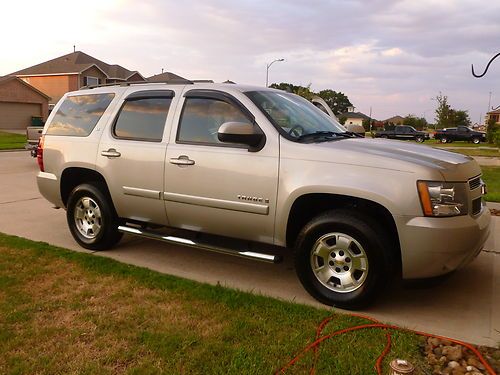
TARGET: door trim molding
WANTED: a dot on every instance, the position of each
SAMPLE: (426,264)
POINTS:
(145,193)
(260,209)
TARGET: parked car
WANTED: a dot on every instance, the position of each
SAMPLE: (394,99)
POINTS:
(460,133)
(249,171)
(403,132)
(33,134)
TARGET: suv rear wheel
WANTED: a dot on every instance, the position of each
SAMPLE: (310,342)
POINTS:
(91,218)
(343,259)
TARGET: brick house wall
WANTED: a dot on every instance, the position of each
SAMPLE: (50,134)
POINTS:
(14,91)
(54,86)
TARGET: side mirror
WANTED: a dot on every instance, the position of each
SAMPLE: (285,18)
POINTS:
(240,132)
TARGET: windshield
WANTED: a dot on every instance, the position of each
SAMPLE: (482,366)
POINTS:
(295,117)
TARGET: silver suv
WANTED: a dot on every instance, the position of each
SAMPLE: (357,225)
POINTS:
(249,170)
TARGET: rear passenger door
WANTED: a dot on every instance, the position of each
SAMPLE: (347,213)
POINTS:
(132,152)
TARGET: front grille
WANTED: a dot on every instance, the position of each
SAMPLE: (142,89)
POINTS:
(475,182)
(476,206)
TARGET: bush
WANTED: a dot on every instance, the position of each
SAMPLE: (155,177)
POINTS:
(496,138)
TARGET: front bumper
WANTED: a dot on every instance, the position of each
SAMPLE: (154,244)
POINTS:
(435,246)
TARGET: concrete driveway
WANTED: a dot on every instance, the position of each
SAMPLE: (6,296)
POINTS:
(466,306)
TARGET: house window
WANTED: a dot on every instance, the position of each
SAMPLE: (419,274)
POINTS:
(90,81)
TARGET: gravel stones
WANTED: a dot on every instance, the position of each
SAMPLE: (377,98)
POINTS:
(447,358)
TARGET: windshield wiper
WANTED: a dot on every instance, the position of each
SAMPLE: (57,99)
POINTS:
(324,135)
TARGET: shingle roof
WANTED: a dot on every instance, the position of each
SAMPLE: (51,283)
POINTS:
(76,62)
(495,112)
(353,115)
(168,77)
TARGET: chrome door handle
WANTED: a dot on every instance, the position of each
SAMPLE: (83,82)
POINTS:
(182,160)
(111,153)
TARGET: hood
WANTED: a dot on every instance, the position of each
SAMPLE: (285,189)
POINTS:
(395,155)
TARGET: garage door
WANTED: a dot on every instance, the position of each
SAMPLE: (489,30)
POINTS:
(18,115)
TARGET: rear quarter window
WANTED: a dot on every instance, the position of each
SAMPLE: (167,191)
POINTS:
(78,115)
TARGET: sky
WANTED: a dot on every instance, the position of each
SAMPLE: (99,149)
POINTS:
(391,56)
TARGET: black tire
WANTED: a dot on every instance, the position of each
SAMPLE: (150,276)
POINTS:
(444,140)
(419,139)
(100,211)
(373,241)
(476,140)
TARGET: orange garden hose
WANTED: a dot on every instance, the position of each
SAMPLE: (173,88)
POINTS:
(375,324)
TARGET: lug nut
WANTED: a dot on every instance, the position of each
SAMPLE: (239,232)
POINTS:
(331,263)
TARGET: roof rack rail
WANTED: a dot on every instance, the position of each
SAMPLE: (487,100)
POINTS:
(170,82)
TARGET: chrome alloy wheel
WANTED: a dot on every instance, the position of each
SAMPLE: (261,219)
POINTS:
(339,262)
(88,218)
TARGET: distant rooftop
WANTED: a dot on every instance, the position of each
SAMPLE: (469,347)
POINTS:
(77,62)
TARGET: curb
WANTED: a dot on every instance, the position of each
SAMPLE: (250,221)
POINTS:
(14,150)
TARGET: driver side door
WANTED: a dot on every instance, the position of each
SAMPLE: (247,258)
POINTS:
(214,187)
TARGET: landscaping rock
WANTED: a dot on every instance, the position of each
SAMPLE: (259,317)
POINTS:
(452,353)
(447,358)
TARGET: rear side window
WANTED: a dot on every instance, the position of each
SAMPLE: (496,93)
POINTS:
(142,119)
(78,115)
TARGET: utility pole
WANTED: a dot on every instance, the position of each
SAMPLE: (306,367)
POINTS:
(370,119)
(489,102)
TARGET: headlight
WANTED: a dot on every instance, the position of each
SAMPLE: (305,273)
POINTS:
(442,198)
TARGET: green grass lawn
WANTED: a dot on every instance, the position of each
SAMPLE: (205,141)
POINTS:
(68,312)
(9,141)
(491,175)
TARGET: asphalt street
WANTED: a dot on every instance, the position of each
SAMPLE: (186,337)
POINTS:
(466,306)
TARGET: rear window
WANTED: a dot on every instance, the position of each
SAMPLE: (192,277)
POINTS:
(78,115)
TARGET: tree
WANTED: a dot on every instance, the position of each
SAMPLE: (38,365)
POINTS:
(447,116)
(460,118)
(337,101)
(492,130)
(418,123)
(443,112)
(304,91)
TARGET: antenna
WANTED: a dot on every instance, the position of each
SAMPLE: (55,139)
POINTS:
(74,48)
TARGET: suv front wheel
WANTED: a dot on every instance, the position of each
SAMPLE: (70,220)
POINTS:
(91,218)
(342,258)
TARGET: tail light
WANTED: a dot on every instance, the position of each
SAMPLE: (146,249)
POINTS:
(39,154)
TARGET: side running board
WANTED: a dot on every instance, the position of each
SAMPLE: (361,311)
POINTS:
(199,245)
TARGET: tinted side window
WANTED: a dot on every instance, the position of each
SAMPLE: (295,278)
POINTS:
(78,115)
(142,119)
(202,117)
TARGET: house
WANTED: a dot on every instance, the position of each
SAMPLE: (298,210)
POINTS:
(19,102)
(168,77)
(73,71)
(495,115)
(395,120)
(352,118)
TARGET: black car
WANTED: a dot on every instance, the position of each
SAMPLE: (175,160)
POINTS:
(403,132)
(460,133)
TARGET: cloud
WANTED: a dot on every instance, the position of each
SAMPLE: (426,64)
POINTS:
(390,55)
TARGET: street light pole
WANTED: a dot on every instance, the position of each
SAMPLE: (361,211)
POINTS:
(267,70)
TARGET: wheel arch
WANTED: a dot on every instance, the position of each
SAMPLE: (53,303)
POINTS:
(309,205)
(71,177)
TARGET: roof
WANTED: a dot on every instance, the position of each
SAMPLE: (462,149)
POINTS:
(6,79)
(168,77)
(353,115)
(395,119)
(76,62)
(494,112)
